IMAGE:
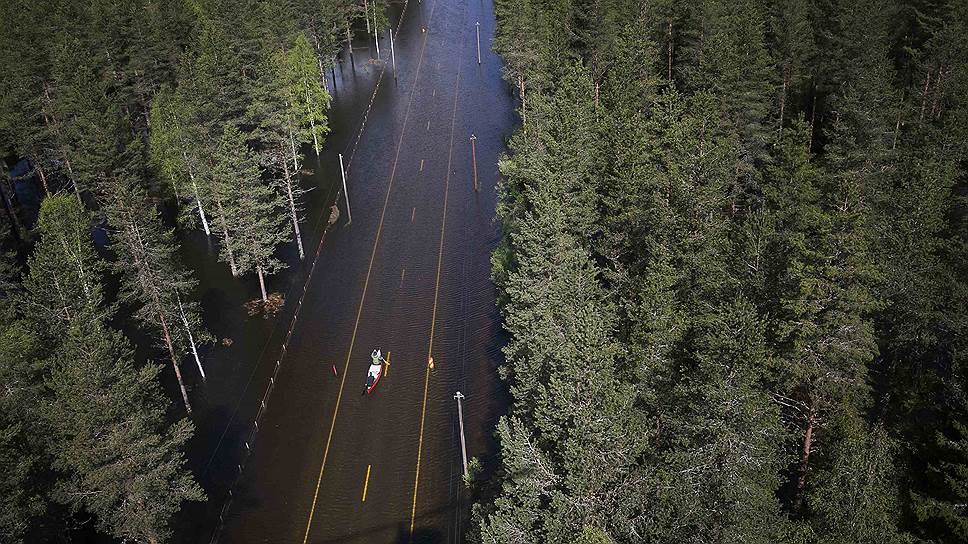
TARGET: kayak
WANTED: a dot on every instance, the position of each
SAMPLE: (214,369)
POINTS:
(374,374)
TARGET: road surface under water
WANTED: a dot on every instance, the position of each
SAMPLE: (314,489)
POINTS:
(286,449)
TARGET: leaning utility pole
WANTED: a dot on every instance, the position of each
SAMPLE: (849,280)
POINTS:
(346,193)
(463,444)
(474,158)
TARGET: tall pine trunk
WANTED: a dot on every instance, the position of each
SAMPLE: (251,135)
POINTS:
(149,284)
(198,198)
(225,237)
(262,283)
(191,339)
(171,351)
(805,457)
(43,178)
(292,204)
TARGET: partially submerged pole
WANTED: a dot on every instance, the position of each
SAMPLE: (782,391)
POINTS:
(463,444)
(393,57)
(478,25)
(474,158)
(346,193)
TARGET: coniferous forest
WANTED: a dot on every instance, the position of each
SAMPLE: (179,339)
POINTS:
(123,111)
(733,273)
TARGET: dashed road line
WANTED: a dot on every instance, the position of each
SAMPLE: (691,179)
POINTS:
(366,283)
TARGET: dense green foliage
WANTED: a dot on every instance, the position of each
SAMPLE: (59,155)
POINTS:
(123,111)
(733,273)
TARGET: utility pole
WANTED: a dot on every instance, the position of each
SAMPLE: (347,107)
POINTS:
(393,57)
(474,158)
(463,444)
(478,25)
(346,193)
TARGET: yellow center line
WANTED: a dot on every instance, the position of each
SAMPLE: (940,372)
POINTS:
(433,319)
(366,282)
(366,482)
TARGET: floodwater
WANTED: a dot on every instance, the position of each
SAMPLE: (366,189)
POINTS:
(287,449)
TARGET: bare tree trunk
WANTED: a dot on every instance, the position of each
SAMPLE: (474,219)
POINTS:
(262,283)
(191,339)
(292,208)
(171,352)
(366,10)
(805,457)
(198,198)
(225,237)
(524,115)
(312,124)
(43,178)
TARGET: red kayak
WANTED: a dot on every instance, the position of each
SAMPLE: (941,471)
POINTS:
(375,373)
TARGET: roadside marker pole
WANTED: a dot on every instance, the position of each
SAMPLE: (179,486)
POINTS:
(463,445)
(393,57)
(474,158)
(346,193)
(478,25)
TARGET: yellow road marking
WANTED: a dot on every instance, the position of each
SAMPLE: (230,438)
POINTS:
(366,483)
(366,283)
(433,319)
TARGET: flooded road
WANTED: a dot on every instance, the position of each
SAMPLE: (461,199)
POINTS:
(290,451)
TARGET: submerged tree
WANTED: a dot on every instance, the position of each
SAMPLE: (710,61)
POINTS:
(152,276)
(254,211)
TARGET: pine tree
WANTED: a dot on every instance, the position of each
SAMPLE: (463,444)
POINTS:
(277,134)
(177,149)
(23,439)
(153,279)
(123,463)
(253,210)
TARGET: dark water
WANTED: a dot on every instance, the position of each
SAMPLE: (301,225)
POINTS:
(261,466)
